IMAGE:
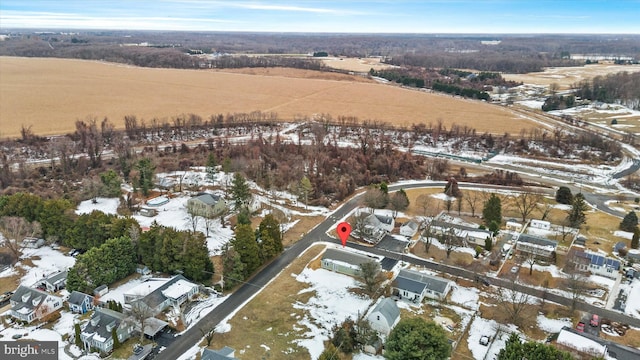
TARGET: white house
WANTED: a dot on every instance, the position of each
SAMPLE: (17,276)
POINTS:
(384,317)
(159,294)
(414,286)
(540,224)
(409,229)
(54,282)
(596,264)
(29,304)
(345,262)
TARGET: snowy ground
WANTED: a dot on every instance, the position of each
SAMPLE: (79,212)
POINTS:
(331,304)
(48,261)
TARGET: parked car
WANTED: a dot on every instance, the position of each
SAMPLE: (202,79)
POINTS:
(580,327)
(595,320)
(515,269)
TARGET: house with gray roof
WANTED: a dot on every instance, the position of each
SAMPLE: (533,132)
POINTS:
(28,304)
(384,317)
(345,262)
(98,332)
(163,293)
(80,302)
(409,229)
(206,205)
(54,282)
(541,247)
(225,353)
(414,286)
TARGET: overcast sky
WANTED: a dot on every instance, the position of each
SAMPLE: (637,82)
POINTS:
(402,16)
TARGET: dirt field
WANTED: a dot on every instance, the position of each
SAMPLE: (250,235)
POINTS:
(566,76)
(51,94)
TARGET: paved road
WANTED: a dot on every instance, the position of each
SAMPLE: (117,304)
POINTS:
(255,284)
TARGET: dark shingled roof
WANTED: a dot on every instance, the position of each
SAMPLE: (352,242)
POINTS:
(209,199)
(417,282)
(536,240)
(77,297)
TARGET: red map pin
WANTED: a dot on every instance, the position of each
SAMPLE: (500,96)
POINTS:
(344,229)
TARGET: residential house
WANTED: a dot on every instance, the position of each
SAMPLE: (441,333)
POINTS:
(409,229)
(468,235)
(80,302)
(384,317)
(595,263)
(382,222)
(28,304)
(98,332)
(415,286)
(588,345)
(225,353)
(32,242)
(54,282)
(206,204)
(159,294)
(372,228)
(541,247)
(345,262)
(513,226)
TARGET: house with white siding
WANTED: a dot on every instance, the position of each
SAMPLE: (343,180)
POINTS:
(29,304)
(414,286)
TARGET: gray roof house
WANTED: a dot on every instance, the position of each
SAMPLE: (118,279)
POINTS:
(345,262)
(225,353)
(414,286)
(80,302)
(29,304)
(206,204)
(54,282)
(385,316)
(173,292)
(98,332)
(409,229)
(539,246)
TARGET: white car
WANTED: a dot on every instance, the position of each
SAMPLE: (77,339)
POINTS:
(515,269)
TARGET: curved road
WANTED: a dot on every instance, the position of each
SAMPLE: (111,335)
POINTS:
(193,335)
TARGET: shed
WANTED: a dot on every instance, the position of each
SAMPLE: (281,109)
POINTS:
(101,290)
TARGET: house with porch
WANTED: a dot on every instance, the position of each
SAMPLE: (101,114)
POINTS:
(594,263)
(206,205)
(80,303)
(384,316)
(345,262)
(98,332)
(28,304)
(54,282)
(414,286)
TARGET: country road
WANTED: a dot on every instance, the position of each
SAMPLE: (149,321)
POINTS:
(255,284)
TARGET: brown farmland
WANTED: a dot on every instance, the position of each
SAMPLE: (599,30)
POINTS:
(51,94)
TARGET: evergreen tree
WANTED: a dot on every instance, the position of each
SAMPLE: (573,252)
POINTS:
(240,191)
(306,189)
(564,195)
(330,353)
(492,211)
(270,238)
(233,268)
(78,339)
(145,169)
(244,216)
(114,336)
(247,247)
(110,184)
(629,222)
(196,264)
(516,350)
(576,216)
(417,339)
(635,238)
(211,167)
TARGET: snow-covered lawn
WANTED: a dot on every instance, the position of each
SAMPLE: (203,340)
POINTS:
(466,297)
(331,304)
(50,261)
(483,327)
(633,300)
(106,205)
(552,325)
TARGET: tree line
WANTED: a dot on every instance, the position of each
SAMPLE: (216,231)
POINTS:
(622,88)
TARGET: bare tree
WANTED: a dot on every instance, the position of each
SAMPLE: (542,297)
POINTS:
(513,303)
(450,240)
(526,202)
(208,336)
(425,202)
(426,234)
(194,219)
(577,282)
(372,276)
(14,230)
(530,259)
(140,312)
(473,199)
